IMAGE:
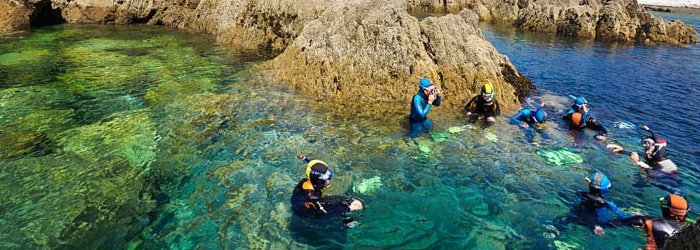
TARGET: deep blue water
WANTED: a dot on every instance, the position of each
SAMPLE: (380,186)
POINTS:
(108,105)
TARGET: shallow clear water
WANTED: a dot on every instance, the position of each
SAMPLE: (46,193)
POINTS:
(124,139)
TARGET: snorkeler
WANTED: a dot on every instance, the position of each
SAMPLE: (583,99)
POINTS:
(674,209)
(655,159)
(529,119)
(307,200)
(484,105)
(428,95)
(592,209)
(580,117)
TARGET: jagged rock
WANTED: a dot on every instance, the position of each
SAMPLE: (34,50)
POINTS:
(375,51)
(14,16)
(688,238)
(610,20)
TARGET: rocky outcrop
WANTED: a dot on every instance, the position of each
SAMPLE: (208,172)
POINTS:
(337,48)
(609,20)
(375,51)
(688,238)
(14,16)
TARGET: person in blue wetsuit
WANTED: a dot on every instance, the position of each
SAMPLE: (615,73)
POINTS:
(580,117)
(529,119)
(484,104)
(428,95)
(592,209)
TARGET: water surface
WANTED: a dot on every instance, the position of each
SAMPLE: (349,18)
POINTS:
(119,138)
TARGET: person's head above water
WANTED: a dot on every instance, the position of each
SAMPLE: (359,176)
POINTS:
(424,83)
(487,91)
(598,184)
(540,116)
(317,172)
(674,207)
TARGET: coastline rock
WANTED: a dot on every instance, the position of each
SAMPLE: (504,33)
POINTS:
(376,51)
(687,238)
(608,20)
(13,16)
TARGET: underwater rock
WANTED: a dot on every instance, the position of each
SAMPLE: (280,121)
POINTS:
(20,143)
(127,135)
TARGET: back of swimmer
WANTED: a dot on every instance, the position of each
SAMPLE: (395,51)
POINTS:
(595,203)
(674,209)
(307,198)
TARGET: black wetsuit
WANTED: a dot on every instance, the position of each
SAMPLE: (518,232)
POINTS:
(479,106)
(306,202)
(590,122)
(658,229)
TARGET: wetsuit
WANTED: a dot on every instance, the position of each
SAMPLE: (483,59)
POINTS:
(527,116)
(658,229)
(479,106)
(658,161)
(306,202)
(588,122)
(306,199)
(602,208)
(419,112)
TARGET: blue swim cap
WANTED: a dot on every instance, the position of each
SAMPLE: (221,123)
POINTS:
(424,83)
(540,116)
(599,181)
(580,100)
(527,112)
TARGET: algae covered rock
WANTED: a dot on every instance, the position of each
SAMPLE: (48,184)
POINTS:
(128,134)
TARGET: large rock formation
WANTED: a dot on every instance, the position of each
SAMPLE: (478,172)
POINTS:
(357,43)
(609,20)
(376,51)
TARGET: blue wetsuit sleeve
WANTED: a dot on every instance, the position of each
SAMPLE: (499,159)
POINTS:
(437,101)
(516,118)
(422,111)
(618,212)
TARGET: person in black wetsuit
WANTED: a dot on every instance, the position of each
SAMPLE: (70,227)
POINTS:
(580,117)
(656,163)
(307,200)
(484,105)
(674,209)
(655,158)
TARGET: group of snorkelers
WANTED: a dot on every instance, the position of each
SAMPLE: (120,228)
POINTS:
(307,201)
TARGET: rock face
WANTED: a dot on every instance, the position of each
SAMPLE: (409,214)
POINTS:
(375,51)
(337,48)
(609,20)
(688,238)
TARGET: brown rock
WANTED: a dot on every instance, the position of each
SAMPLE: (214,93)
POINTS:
(375,51)
(14,16)
(621,20)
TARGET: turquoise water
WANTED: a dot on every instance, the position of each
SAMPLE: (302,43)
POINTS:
(118,138)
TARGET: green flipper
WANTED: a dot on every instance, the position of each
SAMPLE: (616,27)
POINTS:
(560,157)
(367,185)
(491,136)
(439,136)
